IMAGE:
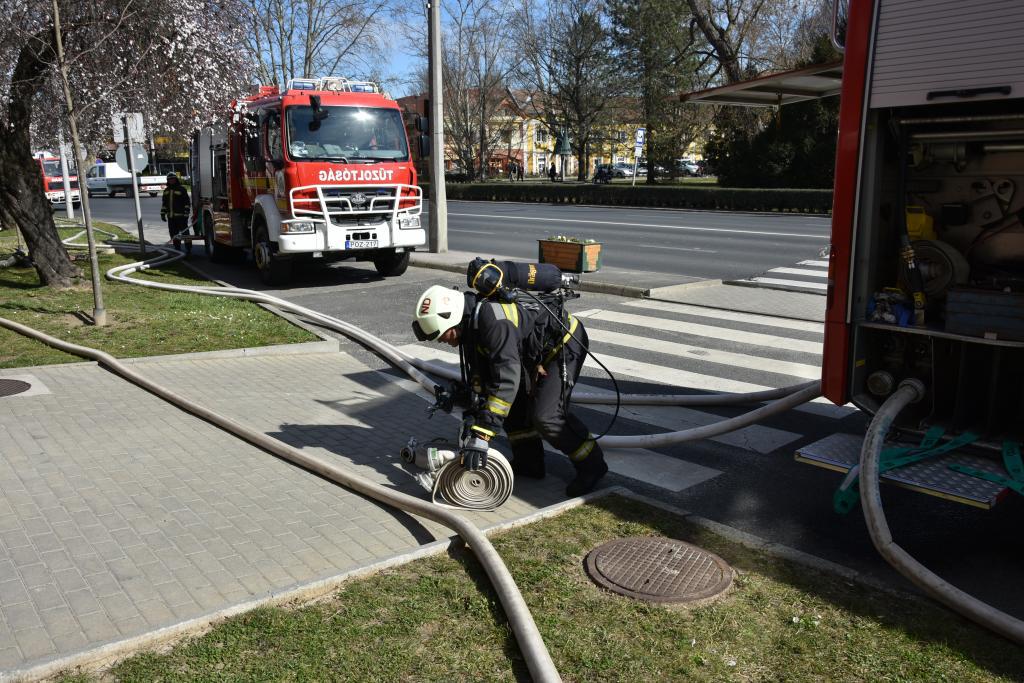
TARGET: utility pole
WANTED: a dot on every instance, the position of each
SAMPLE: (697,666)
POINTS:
(99,313)
(69,207)
(437,239)
(135,183)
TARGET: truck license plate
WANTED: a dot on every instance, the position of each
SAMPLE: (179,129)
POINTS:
(360,244)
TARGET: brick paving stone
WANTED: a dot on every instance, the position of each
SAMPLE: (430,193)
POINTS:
(21,616)
(97,627)
(34,642)
(59,621)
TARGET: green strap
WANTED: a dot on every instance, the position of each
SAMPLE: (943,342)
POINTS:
(848,494)
(1012,462)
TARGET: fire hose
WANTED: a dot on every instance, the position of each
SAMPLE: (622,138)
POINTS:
(911,391)
(455,487)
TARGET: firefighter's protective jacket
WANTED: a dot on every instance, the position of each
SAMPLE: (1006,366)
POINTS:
(504,345)
(175,202)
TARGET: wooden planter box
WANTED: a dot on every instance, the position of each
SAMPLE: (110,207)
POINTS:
(571,257)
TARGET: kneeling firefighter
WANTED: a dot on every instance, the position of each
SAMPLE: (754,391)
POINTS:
(520,366)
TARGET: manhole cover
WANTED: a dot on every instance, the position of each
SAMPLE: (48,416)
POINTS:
(10,387)
(658,570)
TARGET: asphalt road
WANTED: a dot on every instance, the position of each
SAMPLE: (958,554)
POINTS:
(690,244)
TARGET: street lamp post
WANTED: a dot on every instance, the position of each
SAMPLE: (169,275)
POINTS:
(438,201)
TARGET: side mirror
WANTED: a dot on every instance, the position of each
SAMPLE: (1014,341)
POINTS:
(422,124)
(423,141)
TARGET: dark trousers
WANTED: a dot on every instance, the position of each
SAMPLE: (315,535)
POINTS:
(543,413)
(176,225)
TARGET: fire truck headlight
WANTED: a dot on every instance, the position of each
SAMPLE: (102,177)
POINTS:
(408,221)
(297,227)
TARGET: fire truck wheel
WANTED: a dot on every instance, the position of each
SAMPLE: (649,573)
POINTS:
(392,264)
(273,269)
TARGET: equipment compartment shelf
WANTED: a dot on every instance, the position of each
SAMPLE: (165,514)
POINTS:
(930,332)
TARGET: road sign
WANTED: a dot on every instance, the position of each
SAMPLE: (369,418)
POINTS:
(141,158)
(135,129)
(641,135)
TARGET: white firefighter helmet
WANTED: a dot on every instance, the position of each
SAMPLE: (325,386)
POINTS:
(438,310)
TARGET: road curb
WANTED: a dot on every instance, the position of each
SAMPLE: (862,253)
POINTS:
(778,288)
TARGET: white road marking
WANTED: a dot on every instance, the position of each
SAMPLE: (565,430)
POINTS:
(706,355)
(820,264)
(722,314)
(726,334)
(656,469)
(660,247)
(800,271)
(472,232)
(790,283)
(643,225)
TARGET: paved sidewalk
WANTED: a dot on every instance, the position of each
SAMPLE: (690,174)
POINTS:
(121,515)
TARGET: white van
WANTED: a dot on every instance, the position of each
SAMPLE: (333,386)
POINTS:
(111,179)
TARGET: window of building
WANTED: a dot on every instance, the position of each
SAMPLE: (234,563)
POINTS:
(542,136)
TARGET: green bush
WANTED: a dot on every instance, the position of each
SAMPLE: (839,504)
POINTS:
(687,197)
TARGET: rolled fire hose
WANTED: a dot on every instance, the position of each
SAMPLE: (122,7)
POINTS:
(911,391)
(531,644)
(452,486)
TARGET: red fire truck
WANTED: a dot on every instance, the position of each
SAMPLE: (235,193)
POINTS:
(53,182)
(926,267)
(320,170)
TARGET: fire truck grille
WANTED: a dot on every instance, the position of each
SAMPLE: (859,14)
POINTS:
(356,205)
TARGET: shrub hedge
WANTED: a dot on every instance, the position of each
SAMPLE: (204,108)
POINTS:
(686,197)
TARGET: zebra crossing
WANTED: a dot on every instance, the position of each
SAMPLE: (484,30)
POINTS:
(662,347)
(810,275)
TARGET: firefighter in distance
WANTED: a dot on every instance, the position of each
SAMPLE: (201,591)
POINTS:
(520,366)
(175,210)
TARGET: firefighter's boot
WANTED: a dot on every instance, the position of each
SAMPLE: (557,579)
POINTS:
(528,456)
(589,470)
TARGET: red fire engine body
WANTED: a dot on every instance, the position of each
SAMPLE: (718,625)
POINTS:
(318,170)
(53,182)
(930,164)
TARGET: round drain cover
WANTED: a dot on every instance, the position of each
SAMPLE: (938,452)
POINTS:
(658,569)
(10,387)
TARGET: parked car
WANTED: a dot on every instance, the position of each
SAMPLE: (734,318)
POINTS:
(621,169)
(686,167)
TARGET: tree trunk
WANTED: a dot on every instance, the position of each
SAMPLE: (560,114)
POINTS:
(21,184)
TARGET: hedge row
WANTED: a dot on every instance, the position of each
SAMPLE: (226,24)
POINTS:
(686,197)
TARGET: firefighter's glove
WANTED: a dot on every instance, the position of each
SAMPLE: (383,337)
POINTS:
(474,453)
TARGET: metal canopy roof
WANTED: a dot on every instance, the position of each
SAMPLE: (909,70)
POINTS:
(787,87)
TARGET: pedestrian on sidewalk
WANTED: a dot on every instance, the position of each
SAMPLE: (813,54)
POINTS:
(175,211)
(519,170)
(552,173)
(521,366)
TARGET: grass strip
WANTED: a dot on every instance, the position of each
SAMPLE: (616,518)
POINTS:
(140,321)
(437,620)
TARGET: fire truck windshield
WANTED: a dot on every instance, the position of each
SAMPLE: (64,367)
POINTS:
(360,134)
(51,169)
